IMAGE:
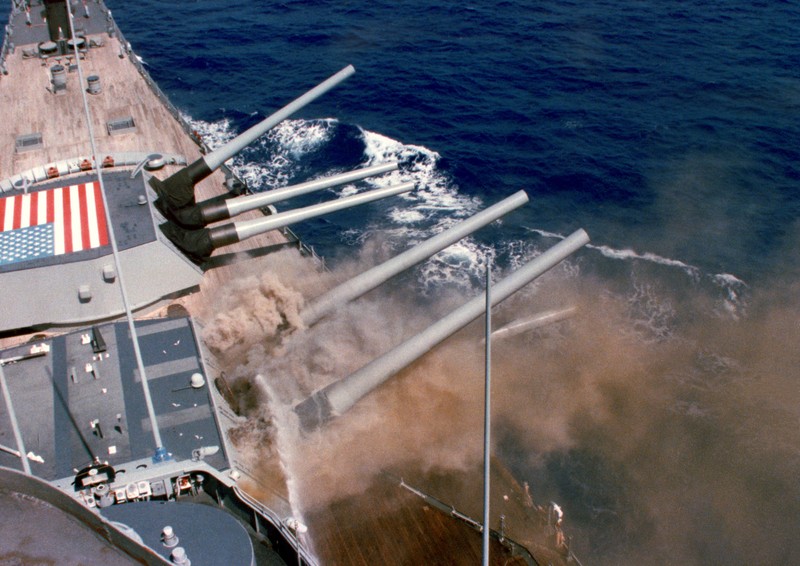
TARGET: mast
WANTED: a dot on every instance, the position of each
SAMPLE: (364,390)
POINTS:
(487,410)
(160,453)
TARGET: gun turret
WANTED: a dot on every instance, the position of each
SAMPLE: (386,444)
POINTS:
(57,19)
(177,191)
(371,278)
(334,399)
(199,244)
(213,210)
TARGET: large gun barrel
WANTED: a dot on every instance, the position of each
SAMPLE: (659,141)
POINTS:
(532,323)
(214,211)
(177,191)
(199,244)
(371,278)
(333,400)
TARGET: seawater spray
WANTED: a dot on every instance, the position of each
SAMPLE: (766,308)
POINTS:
(286,438)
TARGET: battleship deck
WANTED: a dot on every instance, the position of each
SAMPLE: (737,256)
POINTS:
(410,530)
(44,132)
(91,397)
(127,97)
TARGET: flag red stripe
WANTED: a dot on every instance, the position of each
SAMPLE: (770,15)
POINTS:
(41,207)
(101,214)
(67,221)
(34,218)
(85,239)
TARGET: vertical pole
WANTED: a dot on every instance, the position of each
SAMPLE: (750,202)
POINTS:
(487,412)
(160,452)
(23,455)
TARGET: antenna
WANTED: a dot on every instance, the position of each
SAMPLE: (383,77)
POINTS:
(160,452)
(14,423)
(487,414)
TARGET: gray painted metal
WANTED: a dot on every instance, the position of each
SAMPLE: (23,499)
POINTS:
(55,519)
(155,270)
(12,416)
(251,202)
(30,28)
(249,228)
(336,398)
(69,388)
(73,165)
(222,154)
(208,534)
(370,279)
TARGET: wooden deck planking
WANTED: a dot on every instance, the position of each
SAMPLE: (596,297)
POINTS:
(387,524)
(390,526)
(24,93)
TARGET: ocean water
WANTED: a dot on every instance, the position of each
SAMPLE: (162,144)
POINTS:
(668,130)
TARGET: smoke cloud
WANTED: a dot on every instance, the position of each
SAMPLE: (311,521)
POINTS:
(679,448)
(666,427)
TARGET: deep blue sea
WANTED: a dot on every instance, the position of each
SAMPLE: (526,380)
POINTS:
(668,130)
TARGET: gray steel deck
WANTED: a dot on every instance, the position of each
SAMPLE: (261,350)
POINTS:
(57,398)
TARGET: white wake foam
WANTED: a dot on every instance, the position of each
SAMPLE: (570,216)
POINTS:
(733,302)
(627,253)
(214,134)
(435,205)
(269,161)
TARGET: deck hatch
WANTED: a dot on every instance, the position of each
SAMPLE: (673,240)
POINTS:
(88,405)
(121,126)
(29,142)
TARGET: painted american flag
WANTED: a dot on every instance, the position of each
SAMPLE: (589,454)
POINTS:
(50,223)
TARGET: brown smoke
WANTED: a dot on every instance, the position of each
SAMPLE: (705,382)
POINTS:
(255,307)
(667,430)
(697,433)
(429,417)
